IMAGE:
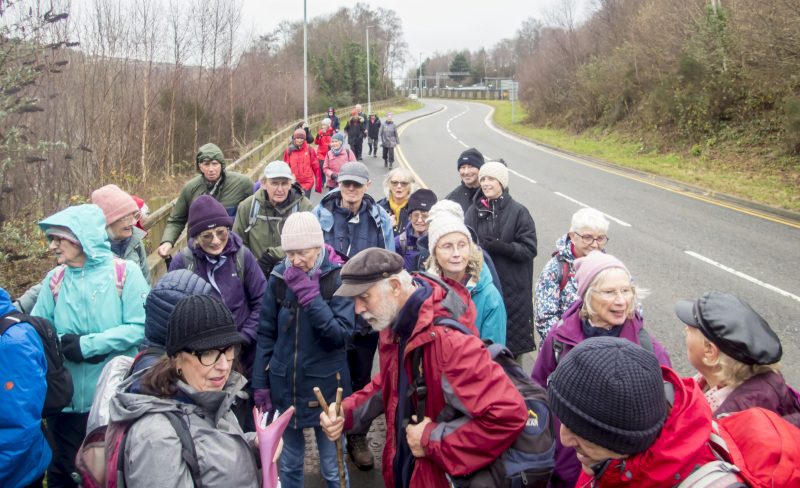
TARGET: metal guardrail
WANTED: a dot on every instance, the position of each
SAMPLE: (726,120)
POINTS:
(250,164)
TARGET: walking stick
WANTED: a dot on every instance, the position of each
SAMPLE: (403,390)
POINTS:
(339,449)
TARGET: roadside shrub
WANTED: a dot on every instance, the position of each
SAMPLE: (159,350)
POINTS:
(791,111)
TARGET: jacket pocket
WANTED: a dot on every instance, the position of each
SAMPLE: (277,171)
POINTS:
(327,376)
(277,378)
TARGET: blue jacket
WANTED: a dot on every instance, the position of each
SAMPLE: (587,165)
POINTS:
(374,229)
(89,304)
(491,318)
(24,453)
(300,350)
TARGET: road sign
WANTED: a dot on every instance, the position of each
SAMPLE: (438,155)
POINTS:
(513,91)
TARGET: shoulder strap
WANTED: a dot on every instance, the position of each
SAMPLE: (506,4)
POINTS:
(255,205)
(188,258)
(188,452)
(403,242)
(645,339)
(452,323)
(6,321)
(56,279)
(239,262)
(558,349)
(327,284)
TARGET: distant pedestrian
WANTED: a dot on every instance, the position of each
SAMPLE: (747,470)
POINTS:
(334,119)
(389,139)
(469,164)
(405,244)
(304,126)
(356,131)
(302,159)
(323,142)
(398,185)
(373,131)
(338,155)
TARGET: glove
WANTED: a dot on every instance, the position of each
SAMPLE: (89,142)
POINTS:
(334,178)
(496,246)
(266,262)
(71,347)
(306,289)
(262,399)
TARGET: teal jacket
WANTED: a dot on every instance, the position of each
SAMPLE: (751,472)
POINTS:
(491,318)
(89,304)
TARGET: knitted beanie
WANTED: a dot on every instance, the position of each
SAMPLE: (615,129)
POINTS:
(444,223)
(497,171)
(299,133)
(472,157)
(114,203)
(422,199)
(207,213)
(165,294)
(301,231)
(589,266)
(210,152)
(326,121)
(62,233)
(278,169)
(339,137)
(446,206)
(610,391)
(200,323)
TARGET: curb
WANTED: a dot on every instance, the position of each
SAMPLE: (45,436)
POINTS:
(421,115)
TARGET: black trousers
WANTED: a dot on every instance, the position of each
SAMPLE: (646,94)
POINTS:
(67,431)
(357,146)
(360,356)
(388,154)
(373,145)
(322,173)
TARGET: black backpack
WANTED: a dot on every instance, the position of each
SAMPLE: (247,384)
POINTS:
(59,379)
(239,257)
(530,459)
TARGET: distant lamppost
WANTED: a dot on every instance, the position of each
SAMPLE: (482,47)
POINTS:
(420,75)
(305,64)
(369,96)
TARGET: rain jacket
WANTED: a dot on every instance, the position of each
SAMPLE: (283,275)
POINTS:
(373,128)
(334,163)
(304,164)
(411,250)
(355,130)
(227,457)
(265,235)
(89,304)
(550,301)
(388,135)
(24,452)
(233,188)
(137,253)
(459,373)
(491,319)
(323,142)
(299,349)
(242,298)
(349,235)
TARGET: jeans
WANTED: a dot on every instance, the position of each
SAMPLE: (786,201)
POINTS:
(293,455)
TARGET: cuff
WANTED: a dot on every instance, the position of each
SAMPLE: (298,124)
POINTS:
(426,437)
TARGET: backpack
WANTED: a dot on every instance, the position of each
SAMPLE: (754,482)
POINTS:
(530,459)
(188,261)
(255,206)
(100,461)
(120,274)
(327,287)
(404,244)
(645,340)
(58,377)
(562,271)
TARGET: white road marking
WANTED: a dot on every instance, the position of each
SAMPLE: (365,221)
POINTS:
(620,222)
(453,136)
(462,143)
(742,275)
(521,175)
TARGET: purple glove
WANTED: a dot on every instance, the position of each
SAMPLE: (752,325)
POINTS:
(306,289)
(262,399)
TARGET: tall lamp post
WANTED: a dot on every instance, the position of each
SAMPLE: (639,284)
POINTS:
(305,64)
(419,82)
(369,96)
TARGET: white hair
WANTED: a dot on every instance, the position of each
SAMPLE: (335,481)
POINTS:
(407,176)
(589,218)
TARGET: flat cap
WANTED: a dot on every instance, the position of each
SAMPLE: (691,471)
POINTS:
(733,326)
(367,268)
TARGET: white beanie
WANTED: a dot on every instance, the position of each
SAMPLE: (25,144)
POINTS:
(326,121)
(301,231)
(442,224)
(496,170)
(446,206)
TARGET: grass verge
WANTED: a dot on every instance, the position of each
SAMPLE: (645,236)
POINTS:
(408,106)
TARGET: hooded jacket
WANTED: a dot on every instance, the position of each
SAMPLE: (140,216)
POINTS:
(323,142)
(460,374)
(89,304)
(349,235)
(137,253)
(373,127)
(510,222)
(304,164)
(226,456)
(300,349)
(243,299)
(491,318)
(24,452)
(551,302)
(333,164)
(388,134)
(230,191)
(355,128)
(265,235)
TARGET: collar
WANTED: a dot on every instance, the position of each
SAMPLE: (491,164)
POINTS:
(407,316)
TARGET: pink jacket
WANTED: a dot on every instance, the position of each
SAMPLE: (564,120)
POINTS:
(334,163)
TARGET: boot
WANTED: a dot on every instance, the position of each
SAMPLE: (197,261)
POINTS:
(385,163)
(359,452)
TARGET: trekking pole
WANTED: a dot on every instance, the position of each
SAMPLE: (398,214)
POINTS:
(339,449)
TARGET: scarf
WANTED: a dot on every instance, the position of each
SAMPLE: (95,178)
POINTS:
(397,208)
(590,330)
(337,151)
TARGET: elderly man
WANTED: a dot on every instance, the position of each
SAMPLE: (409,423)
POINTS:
(469,164)
(557,289)
(227,188)
(260,218)
(351,222)
(421,449)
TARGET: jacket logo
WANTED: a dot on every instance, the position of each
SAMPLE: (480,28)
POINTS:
(533,419)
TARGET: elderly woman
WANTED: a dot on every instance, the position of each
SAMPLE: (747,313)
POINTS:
(337,156)
(507,232)
(96,303)
(323,142)
(302,158)
(303,332)
(419,205)
(606,307)
(389,139)
(557,288)
(218,256)
(122,215)
(455,256)
(194,383)
(398,185)
(736,355)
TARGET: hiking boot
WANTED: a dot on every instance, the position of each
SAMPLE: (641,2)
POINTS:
(385,163)
(359,452)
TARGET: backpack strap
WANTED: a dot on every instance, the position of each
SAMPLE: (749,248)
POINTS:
(6,321)
(188,258)
(188,452)
(558,349)
(645,339)
(255,206)
(418,383)
(120,275)
(713,474)
(239,262)
(403,243)
(56,279)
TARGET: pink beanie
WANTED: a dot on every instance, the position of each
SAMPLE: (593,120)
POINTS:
(114,203)
(588,267)
(301,231)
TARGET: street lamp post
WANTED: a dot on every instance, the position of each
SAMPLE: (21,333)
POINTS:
(305,64)
(419,82)
(369,95)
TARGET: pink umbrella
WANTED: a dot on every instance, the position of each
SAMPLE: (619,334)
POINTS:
(268,439)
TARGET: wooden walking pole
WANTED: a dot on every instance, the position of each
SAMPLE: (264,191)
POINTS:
(339,449)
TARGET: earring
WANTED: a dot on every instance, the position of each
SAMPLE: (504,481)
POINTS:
(180,372)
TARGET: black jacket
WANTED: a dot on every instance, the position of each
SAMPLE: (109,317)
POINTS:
(355,130)
(402,222)
(373,128)
(463,196)
(509,223)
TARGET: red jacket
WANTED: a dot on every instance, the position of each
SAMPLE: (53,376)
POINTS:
(323,142)
(679,448)
(496,410)
(304,165)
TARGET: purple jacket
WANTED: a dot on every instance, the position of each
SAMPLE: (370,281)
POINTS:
(768,390)
(569,332)
(411,250)
(243,299)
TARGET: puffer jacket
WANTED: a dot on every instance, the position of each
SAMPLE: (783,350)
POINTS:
(402,222)
(299,349)
(243,299)
(230,191)
(323,142)
(24,452)
(510,222)
(226,456)
(265,235)
(551,302)
(372,230)
(491,319)
(304,164)
(89,304)
(463,196)
(137,253)
(459,373)
(333,164)
(388,135)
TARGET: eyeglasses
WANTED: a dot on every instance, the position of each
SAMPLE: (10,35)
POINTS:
(450,248)
(419,215)
(208,237)
(351,184)
(399,183)
(211,356)
(588,240)
(625,293)
(130,219)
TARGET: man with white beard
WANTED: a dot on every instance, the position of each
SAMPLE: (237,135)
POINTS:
(458,375)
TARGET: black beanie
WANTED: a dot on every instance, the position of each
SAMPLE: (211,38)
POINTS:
(610,391)
(200,323)
(422,199)
(472,157)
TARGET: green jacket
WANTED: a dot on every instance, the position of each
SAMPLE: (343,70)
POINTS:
(266,231)
(229,193)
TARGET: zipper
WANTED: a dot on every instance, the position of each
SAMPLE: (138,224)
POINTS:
(294,377)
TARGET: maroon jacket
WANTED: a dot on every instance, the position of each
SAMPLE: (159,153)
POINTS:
(769,391)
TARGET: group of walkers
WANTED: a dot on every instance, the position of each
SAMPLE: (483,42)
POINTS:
(273,296)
